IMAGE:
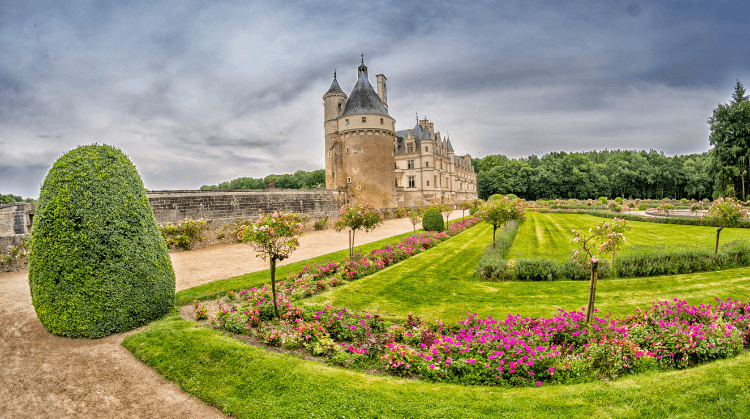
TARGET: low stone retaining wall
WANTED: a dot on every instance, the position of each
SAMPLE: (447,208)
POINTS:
(7,242)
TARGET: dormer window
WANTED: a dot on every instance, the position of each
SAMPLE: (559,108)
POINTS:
(364,119)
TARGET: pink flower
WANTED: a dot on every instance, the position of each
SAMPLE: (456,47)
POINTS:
(539,383)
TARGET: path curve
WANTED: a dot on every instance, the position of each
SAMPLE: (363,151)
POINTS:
(46,376)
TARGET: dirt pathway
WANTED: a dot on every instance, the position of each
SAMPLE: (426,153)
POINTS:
(46,376)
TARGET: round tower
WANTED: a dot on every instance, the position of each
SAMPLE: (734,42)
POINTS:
(366,134)
(333,104)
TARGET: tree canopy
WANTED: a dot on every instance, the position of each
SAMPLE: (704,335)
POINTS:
(298,180)
(730,137)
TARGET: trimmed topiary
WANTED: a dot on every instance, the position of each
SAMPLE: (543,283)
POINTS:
(97,264)
(494,197)
(432,220)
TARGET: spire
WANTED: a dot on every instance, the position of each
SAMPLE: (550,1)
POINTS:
(363,99)
(362,70)
(335,88)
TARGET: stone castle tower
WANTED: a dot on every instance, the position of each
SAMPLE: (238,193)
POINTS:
(359,138)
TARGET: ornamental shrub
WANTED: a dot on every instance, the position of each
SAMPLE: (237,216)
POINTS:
(432,220)
(642,207)
(618,200)
(98,264)
(495,196)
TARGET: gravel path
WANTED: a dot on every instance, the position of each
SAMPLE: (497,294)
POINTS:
(46,376)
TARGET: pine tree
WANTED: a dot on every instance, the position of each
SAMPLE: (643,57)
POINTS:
(739,93)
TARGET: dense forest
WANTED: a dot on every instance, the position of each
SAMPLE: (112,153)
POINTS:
(298,180)
(628,174)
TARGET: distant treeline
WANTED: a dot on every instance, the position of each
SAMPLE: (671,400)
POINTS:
(299,180)
(9,199)
(627,174)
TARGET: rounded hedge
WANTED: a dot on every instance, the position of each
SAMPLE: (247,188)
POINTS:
(494,197)
(432,220)
(97,263)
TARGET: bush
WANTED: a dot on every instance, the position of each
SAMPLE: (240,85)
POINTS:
(642,207)
(603,200)
(185,234)
(495,196)
(618,200)
(98,264)
(321,224)
(536,270)
(433,220)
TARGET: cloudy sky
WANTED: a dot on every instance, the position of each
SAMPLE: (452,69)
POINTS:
(199,92)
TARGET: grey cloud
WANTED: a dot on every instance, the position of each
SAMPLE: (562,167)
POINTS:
(214,141)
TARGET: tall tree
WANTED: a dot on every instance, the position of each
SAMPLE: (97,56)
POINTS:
(730,136)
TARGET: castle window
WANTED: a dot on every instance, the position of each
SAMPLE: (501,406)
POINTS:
(347,149)
(411,181)
(339,107)
(348,180)
(346,121)
(410,148)
(410,164)
(427,164)
(428,183)
(426,150)
(381,121)
(364,119)
(397,182)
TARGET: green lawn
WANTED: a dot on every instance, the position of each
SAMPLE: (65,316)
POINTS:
(440,283)
(260,278)
(247,382)
(549,235)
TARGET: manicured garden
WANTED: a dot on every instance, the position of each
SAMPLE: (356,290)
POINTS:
(548,235)
(368,324)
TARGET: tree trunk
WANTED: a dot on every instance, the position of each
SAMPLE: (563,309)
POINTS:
(351,252)
(273,286)
(718,231)
(494,229)
(592,291)
(614,271)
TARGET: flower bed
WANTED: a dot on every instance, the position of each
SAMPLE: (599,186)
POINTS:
(513,351)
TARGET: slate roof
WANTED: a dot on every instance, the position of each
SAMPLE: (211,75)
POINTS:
(364,99)
(421,133)
(335,88)
(450,147)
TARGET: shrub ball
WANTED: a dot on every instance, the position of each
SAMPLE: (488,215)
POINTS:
(433,220)
(97,264)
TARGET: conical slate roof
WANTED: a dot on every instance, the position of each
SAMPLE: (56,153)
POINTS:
(421,133)
(450,147)
(335,88)
(363,99)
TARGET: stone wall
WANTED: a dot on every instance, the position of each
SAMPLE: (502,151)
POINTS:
(16,218)
(175,206)
(7,242)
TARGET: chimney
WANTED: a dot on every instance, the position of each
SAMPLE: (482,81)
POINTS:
(381,90)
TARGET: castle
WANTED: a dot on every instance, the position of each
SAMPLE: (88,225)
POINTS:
(375,164)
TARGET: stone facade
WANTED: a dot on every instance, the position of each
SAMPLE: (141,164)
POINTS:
(175,206)
(16,218)
(373,163)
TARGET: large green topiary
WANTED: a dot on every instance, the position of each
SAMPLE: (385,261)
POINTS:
(97,264)
(432,220)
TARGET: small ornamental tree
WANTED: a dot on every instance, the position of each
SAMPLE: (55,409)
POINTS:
(725,212)
(446,209)
(464,206)
(665,208)
(597,242)
(696,207)
(357,217)
(275,237)
(415,216)
(499,211)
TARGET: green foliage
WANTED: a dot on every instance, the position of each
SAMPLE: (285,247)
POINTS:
(321,224)
(642,206)
(16,253)
(299,180)
(356,217)
(10,198)
(499,211)
(603,200)
(97,264)
(184,234)
(432,220)
(730,137)
(618,200)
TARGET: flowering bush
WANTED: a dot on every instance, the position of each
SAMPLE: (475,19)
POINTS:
(357,217)
(499,211)
(724,212)
(274,237)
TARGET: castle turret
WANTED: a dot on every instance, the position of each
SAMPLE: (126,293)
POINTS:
(333,101)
